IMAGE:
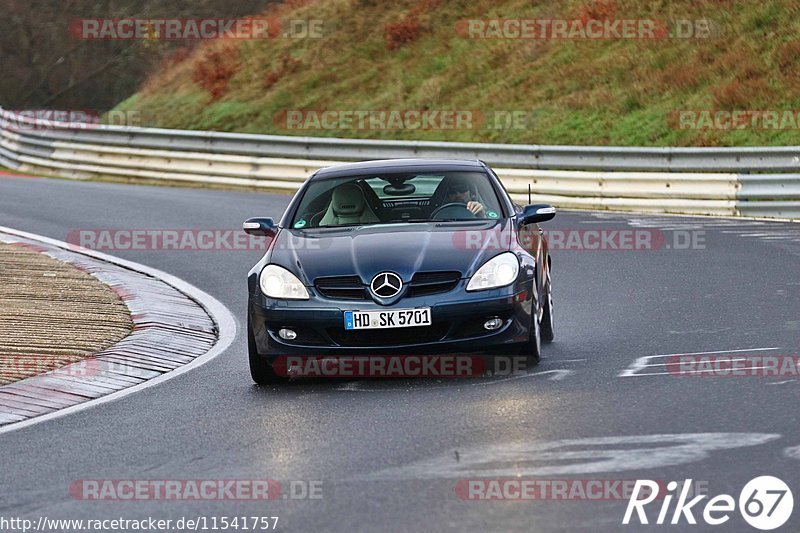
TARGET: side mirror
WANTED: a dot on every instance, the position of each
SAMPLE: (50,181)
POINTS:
(260,227)
(534,214)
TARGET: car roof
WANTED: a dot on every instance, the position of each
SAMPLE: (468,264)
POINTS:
(388,166)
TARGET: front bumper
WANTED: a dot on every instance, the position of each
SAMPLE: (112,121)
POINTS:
(457,324)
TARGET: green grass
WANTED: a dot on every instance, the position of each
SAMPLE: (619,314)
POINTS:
(601,92)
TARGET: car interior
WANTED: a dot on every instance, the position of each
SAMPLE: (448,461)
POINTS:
(357,202)
(348,205)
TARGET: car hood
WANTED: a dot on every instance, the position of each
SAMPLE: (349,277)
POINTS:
(401,248)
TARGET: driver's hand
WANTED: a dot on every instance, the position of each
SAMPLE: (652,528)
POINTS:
(475,207)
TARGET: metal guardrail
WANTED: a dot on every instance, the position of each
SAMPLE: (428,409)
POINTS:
(682,180)
(757,159)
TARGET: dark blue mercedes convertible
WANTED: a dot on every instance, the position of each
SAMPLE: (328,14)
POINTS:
(413,256)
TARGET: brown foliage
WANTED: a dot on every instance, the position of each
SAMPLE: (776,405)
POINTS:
(288,65)
(408,29)
(400,33)
(788,60)
(597,10)
(215,68)
(739,94)
(680,76)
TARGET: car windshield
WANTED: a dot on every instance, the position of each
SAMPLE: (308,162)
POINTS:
(397,198)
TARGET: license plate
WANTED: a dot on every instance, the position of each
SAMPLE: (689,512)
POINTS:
(396,318)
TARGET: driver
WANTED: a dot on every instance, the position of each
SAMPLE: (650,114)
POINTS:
(462,191)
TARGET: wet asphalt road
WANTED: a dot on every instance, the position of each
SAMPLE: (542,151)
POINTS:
(390,454)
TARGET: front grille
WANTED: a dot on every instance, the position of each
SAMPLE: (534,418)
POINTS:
(422,284)
(388,337)
(341,288)
(425,283)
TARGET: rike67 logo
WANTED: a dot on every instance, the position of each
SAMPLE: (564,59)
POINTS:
(765,503)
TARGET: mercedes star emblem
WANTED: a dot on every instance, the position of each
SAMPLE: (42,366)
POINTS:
(386,285)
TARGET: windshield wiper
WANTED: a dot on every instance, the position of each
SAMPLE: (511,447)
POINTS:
(353,225)
(436,221)
(341,226)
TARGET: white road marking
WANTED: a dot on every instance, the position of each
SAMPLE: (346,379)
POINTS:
(782,382)
(574,456)
(676,364)
(792,453)
(718,351)
(644,362)
(559,375)
(746,233)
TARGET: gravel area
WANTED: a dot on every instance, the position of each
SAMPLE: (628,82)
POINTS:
(52,314)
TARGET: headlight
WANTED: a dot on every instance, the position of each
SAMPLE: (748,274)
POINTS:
(497,272)
(277,282)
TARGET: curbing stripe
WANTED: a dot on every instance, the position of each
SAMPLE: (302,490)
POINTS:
(109,385)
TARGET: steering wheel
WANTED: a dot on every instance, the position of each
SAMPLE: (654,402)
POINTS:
(452,210)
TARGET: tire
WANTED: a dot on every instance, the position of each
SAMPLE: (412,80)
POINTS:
(548,324)
(260,370)
(533,348)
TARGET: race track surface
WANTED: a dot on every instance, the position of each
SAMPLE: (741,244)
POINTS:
(390,454)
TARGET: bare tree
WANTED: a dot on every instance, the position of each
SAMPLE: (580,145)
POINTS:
(44,65)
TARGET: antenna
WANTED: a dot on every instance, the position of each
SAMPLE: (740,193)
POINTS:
(529,194)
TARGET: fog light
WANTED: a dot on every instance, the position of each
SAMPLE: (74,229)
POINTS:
(492,324)
(287,334)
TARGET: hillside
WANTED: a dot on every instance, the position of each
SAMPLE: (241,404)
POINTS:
(415,55)
(47,64)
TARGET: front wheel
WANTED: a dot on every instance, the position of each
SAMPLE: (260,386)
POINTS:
(548,324)
(533,348)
